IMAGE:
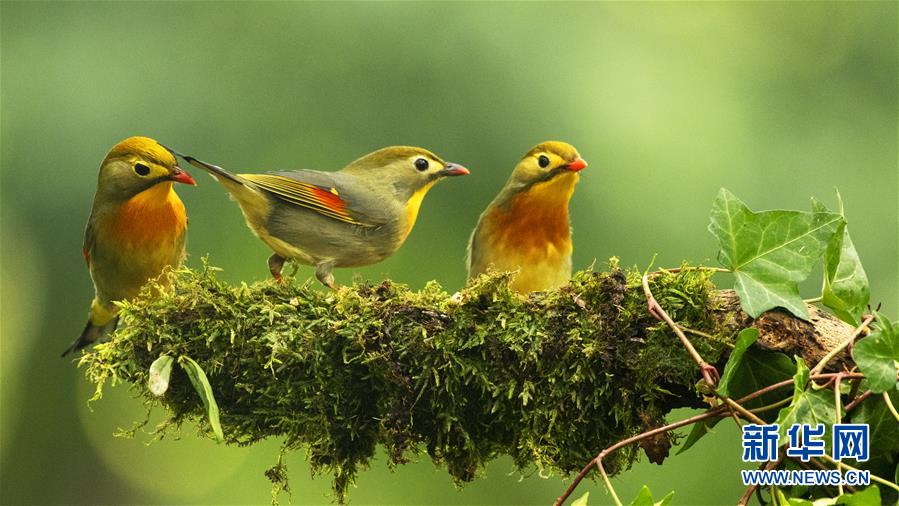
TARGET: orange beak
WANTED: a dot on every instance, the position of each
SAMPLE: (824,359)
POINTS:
(179,176)
(576,165)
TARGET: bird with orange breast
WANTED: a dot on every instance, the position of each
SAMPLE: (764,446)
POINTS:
(136,228)
(526,229)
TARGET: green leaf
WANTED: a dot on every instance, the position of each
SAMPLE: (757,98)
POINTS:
(665,500)
(747,370)
(867,497)
(204,389)
(883,433)
(745,339)
(761,368)
(644,498)
(876,355)
(582,500)
(160,371)
(800,379)
(770,252)
(699,430)
(808,406)
(846,289)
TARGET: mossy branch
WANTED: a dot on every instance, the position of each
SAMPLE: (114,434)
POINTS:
(547,379)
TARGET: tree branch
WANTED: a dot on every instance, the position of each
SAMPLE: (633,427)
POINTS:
(547,379)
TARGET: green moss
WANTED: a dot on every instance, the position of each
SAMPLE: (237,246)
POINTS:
(548,379)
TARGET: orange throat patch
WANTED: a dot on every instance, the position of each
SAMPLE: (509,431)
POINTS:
(152,216)
(537,218)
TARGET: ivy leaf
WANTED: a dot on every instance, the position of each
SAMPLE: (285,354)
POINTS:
(867,497)
(644,498)
(204,389)
(846,289)
(883,433)
(699,430)
(769,252)
(160,372)
(876,355)
(761,368)
(745,339)
(747,370)
(755,369)
(808,406)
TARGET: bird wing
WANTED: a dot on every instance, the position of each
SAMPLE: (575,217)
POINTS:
(322,193)
(88,243)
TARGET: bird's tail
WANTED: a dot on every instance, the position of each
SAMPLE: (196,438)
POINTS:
(217,172)
(101,322)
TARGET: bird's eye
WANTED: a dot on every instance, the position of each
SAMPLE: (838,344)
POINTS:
(421,164)
(141,169)
(543,161)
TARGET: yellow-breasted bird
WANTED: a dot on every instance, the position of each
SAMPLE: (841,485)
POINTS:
(356,216)
(136,228)
(526,227)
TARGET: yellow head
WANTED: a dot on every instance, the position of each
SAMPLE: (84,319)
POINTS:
(404,172)
(546,161)
(137,164)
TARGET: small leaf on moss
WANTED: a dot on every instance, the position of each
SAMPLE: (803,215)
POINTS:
(204,389)
(160,371)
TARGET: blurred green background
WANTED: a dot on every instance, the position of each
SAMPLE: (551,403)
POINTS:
(667,101)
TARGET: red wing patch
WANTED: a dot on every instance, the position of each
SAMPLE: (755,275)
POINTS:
(86,253)
(321,199)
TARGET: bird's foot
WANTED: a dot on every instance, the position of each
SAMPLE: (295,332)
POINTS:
(275,265)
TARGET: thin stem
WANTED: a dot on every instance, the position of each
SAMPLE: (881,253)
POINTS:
(656,310)
(842,346)
(773,405)
(743,411)
(839,417)
(625,442)
(744,499)
(858,400)
(814,300)
(874,477)
(889,402)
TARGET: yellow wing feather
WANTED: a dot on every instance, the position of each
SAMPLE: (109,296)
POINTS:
(321,199)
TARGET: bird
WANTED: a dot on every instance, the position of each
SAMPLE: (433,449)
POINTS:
(137,228)
(526,229)
(356,216)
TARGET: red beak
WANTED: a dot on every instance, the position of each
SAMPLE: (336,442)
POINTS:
(576,165)
(178,175)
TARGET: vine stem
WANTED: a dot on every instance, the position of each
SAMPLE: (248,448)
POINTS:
(597,461)
(842,346)
(889,403)
(713,412)
(857,400)
(709,373)
(839,417)
(874,477)
(744,499)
